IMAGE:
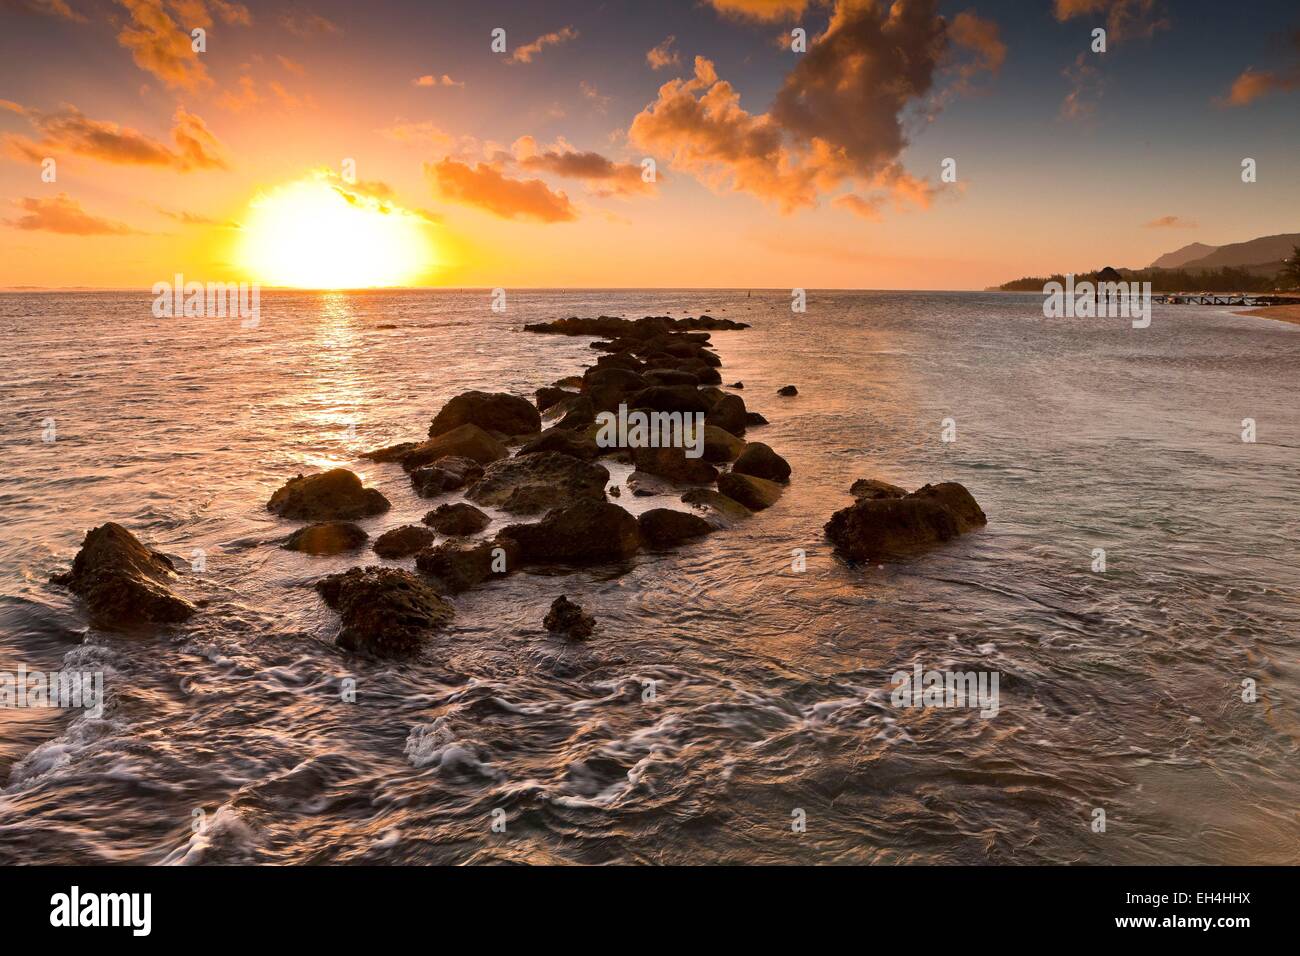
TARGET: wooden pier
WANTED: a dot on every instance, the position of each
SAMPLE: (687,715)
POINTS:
(1220,298)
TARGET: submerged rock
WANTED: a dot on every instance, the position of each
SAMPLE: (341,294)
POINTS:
(326,537)
(754,419)
(457,519)
(875,527)
(754,493)
(403,542)
(566,617)
(492,411)
(787,390)
(467,441)
(665,527)
(446,474)
(383,610)
(460,566)
(528,484)
(721,510)
(760,461)
(586,532)
(122,582)
(336,494)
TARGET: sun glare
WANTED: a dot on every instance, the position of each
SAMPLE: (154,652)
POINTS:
(314,234)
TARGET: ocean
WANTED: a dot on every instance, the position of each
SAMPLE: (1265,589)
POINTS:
(730,708)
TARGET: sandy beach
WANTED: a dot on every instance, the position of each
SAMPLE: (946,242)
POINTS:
(1283,313)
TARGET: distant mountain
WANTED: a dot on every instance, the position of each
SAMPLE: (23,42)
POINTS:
(1180,257)
(1268,249)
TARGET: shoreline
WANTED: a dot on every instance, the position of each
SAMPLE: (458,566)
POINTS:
(1281,313)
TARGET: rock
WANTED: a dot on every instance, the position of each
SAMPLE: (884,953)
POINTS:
(460,567)
(874,527)
(754,493)
(492,411)
(787,390)
(957,500)
(754,419)
(457,519)
(467,441)
(565,441)
(568,383)
(728,414)
(760,461)
(665,527)
(326,537)
(872,488)
(336,494)
(391,452)
(670,376)
(672,463)
(721,445)
(577,414)
(383,610)
(722,510)
(566,617)
(528,484)
(122,582)
(446,474)
(736,385)
(615,492)
(583,533)
(403,542)
(550,395)
(608,387)
(645,485)
(670,398)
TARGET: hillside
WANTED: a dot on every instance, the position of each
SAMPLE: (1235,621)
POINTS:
(1180,257)
(1267,249)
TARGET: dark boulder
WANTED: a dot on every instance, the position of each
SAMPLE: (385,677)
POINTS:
(576,413)
(670,398)
(448,473)
(754,419)
(871,528)
(583,533)
(565,441)
(760,461)
(873,488)
(550,395)
(403,542)
(123,583)
(326,537)
(728,414)
(787,390)
(673,464)
(384,610)
(754,493)
(492,411)
(528,484)
(721,511)
(467,441)
(665,527)
(607,388)
(957,500)
(567,617)
(460,567)
(457,519)
(391,452)
(334,495)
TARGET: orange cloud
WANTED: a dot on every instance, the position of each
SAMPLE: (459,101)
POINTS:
(528,51)
(1253,84)
(980,36)
(663,56)
(1169,222)
(485,187)
(50,8)
(293,66)
(62,214)
(761,9)
(304,23)
(430,80)
(1124,18)
(161,46)
(71,131)
(604,176)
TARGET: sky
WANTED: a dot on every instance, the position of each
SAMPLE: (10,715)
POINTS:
(909,145)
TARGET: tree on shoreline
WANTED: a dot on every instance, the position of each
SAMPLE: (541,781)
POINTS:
(1290,274)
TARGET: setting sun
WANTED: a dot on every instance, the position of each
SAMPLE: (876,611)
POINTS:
(320,234)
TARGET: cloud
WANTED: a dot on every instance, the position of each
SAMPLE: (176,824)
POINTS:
(430,80)
(663,56)
(1124,18)
(49,8)
(486,187)
(160,46)
(63,214)
(192,218)
(603,176)
(245,96)
(1169,222)
(372,194)
(1253,84)
(836,119)
(760,9)
(304,23)
(293,66)
(416,134)
(1086,87)
(593,96)
(980,36)
(525,53)
(869,209)
(71,131)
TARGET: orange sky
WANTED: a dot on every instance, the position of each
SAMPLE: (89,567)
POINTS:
(523,167)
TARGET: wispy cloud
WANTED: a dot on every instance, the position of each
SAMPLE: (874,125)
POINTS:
(304,23)
(527,52)
(663,56)
(63,214)
(1170,222)
(487,188)
(430,80)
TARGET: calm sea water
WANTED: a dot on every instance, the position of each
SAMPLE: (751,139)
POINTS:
(1120,691)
